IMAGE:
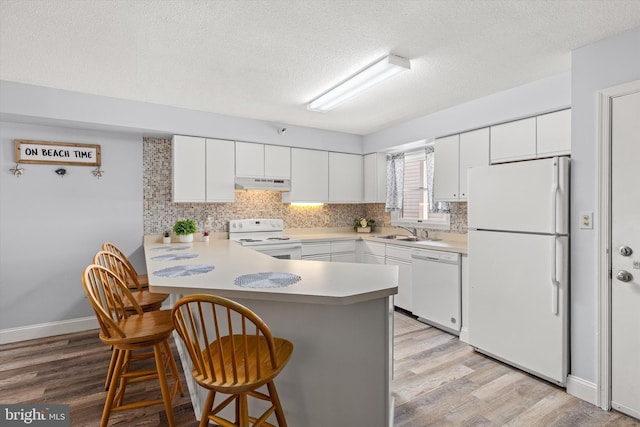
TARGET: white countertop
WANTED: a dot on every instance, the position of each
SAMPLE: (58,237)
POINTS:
(322,282)
(457,246)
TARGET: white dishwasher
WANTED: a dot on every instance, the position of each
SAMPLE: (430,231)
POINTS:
(436,288)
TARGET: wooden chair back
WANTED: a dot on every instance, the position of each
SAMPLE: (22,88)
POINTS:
(110,247)
(119,266)
(110,298)
(228,344)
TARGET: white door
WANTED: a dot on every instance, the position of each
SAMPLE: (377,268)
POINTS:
(625,233)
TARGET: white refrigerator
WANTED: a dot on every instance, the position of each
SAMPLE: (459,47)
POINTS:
(518,215)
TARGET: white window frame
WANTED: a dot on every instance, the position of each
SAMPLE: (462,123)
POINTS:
(440,221)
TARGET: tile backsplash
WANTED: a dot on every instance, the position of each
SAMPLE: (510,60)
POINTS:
(160,212)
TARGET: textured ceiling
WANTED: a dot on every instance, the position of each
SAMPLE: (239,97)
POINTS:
(267,59)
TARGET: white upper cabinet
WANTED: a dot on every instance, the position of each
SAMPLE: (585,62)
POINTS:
(446,169)
(546,135)
(249,159)
(513,141)
(454,155)
(554,134)
(277,161)
(189,169)
(220,170)
(375,178)
(203,170)
(474,151)
(309,176)
(345,178)
(260,160)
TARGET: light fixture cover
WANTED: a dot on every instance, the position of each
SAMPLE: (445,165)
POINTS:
(370,76)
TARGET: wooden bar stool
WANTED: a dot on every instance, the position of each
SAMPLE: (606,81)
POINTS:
(143,279)
(126,332)
(232,352)
(148,301)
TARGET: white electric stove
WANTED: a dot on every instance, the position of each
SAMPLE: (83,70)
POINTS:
(266,236)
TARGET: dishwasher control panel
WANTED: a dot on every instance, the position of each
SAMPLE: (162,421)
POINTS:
(439,256)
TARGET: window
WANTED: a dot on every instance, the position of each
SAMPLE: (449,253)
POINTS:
(418,207)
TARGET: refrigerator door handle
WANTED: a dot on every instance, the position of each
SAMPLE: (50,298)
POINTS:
(555,285)
(555,186)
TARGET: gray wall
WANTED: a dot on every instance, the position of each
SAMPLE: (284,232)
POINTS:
(553,93)
(595,67)
(50,227)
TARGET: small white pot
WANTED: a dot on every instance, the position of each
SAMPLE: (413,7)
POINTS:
(205,238)
(166,239)
(364,229)
(185,238)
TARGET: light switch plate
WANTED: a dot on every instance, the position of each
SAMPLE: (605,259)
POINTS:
(586,220)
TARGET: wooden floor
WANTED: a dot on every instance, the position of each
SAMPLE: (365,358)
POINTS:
(438,381)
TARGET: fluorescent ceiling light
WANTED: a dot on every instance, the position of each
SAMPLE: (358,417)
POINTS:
(370,76)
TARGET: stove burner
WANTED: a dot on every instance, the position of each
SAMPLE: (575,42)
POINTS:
(250,240)
(277,238)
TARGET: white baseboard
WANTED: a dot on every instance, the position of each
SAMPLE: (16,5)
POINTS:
(582,389)
(49,329)
(464,335)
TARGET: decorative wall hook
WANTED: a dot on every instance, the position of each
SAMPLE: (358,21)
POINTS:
(97,172)
(17,171)
(61,172)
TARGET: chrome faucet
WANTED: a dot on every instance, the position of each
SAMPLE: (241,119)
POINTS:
(413,232)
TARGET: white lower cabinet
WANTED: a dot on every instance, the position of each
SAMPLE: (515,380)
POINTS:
(343,251)
(316,250)
(373,253)
(336,250)
(401,256)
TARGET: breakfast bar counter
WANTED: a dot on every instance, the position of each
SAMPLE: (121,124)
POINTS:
(339,317)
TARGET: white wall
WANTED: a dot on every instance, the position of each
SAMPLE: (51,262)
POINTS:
(595,67)
(21,102)
(50,227)
(542,96)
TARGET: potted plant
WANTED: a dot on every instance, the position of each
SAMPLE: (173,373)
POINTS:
(364,225)
(184,229)
(205,235)
(166,236)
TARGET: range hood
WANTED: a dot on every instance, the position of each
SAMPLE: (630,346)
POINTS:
(248,183)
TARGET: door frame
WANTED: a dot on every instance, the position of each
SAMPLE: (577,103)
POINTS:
(605,96)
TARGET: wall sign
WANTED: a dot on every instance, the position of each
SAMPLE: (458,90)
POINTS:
(59,153)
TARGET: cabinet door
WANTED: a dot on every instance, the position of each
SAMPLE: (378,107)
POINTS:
(220,173)
(375,178)
(345,178)
(344,257)
(513,141)
(316,248)
(474,151)
(189,173)
(446,167)
(277,161)
(309,176)
(554,134)
(404,296)
(373,259)
(249,159)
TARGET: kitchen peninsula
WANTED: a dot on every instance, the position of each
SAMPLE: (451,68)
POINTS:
(338,316)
